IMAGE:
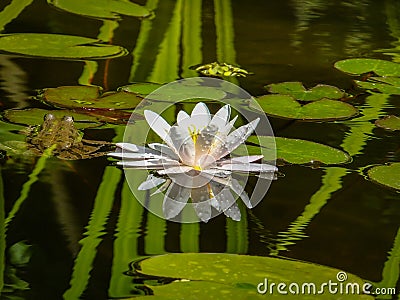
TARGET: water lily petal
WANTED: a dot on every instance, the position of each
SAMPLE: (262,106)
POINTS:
(200,199)
(151,182)
(183,119)
(268,176)
(233,212)
(239,190)
(138,156)
(158,125)
(150,164)
(223,195)
(128,147)
(183,144)
(221,117)
(251,167)
(242,159)
(164,150)
(175,200)
(162,188)
(204,142)
(181,169)
(235,139)
(200,116)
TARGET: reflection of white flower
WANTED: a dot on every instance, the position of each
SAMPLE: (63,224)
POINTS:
(194,162)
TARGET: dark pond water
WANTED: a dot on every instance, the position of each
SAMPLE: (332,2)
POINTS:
(85,228)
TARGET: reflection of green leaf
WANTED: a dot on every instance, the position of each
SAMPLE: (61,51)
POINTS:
(299,92)
(20,253)
(386,175)
(357,66)
(287,107)
(35,116)
(142,89)
(101,9)
(234,275)
(89,97)
(58,46)
(389,122)
(297,151)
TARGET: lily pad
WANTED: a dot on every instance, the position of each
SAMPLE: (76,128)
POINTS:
(385,85)
(299,92)
(141,89)
(35,116)
(296,151)
(358,66)
(322,110)
(101,9)
(238,276)
(387,175)
(89,97)
(389,122)
(58,46)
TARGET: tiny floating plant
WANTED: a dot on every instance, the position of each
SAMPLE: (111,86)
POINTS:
(221,70)
(194,162)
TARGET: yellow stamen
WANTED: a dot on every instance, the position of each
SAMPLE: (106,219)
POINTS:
(197,168)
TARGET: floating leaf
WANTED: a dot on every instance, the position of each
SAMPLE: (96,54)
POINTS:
(296,151)
(287,107)
(237,276)
(299,92)
(89,97)
(35,116)
(142,89)
(389,122)
(358,66)
(182,92)
(386,175)
(58,46)
(101,9)
(385,85)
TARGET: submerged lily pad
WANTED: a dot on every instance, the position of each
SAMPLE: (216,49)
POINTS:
(182,92)
(142,89)
(296,151)
(358,66)
(89,97)
(101,9)
(232,276)
(299,92)
(287,107)
(35,116)
(386,175)
(58,46)
(389,122)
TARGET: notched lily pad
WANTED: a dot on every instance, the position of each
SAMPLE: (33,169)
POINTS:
(58,46)
(322,110)
(296,151)
(387,175)
(101,9)
(35,116)
(89,97)
(298,91)
(358,66)
(389,122)
(232,276)
(141,89)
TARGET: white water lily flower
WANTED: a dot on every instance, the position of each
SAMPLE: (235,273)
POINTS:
(194,163)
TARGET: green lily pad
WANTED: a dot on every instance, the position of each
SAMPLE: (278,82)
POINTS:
(296,151)
(58,46)
(389,122)
(141,89)
(299,92)
(385,85)
(89,97)
(287,107)
(358,66)
(35,116)
(101,9)
(232,276)
(386,175)
(182,92)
